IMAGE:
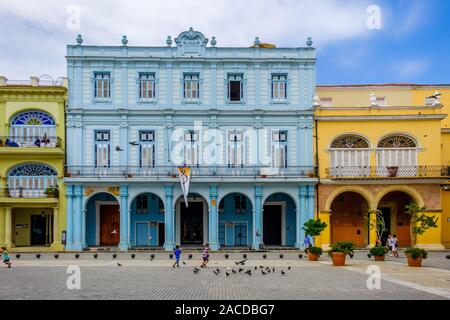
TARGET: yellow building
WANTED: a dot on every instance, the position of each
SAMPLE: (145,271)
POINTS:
(32,144)
(379,149)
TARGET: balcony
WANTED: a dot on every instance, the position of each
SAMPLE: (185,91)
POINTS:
(165,172)
(29,142)
(391,172)
(29,193)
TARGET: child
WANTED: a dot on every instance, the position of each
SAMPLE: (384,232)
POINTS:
(205,255)
(389,244)
(177,253)
(5,256)
(394,242)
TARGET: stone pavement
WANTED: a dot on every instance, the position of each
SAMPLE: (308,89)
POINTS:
(142,278)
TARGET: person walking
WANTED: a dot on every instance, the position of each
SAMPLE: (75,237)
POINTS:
(205,255)
(394,242)
(5,257)
(389,244)
(177,253)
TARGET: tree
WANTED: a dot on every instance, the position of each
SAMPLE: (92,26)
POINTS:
(379,224)
(314,228)
(420,222)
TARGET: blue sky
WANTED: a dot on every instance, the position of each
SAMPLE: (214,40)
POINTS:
(412,45)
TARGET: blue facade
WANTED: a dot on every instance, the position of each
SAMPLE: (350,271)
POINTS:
(240,118)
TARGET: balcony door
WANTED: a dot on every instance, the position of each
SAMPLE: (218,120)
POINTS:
(349,157)
(102,151)
(191,148)
(397,156)
(28,127)
(235,149)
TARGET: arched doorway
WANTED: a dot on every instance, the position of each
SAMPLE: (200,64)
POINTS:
(147,221)
(348,218)
(397,221)
(102,220)
(192,221)
(279,220)
(235,220)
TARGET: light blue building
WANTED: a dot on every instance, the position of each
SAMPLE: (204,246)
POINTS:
(239,117)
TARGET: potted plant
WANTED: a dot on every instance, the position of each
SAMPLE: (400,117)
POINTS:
(313,228)
(392,171)
(51,192)
(340,250)
(378,252)
(415,256)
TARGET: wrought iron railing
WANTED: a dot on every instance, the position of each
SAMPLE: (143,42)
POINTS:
(30,142)
(389,172)
(32,193)
(196,171)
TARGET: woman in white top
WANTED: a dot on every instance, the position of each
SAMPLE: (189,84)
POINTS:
(394,242)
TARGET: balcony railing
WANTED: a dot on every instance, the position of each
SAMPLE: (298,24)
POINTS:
(30,142)
(29,193)
(389,172)
(160,172)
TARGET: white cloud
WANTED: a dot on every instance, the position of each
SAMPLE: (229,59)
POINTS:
(36,32)
(410,68)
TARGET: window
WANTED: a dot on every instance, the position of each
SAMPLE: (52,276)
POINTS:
(279,149)
(326,102)
(235,148)
(102,86)
(31,180)
(142,204)
(235,88)
(191,147)
(350,156)
(147,148)
(397,151)
(27,126)
(381,101)
(102,148)
(240,204)
(191,86)
(279,87)
(147,86)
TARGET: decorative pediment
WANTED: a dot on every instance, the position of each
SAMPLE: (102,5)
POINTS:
(191,42)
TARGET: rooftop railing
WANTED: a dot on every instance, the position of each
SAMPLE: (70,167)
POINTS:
(389,172)
(196,171)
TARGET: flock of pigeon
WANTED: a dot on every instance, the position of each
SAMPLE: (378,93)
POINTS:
(249,271)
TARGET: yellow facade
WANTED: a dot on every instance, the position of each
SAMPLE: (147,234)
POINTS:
(380,147)
(30,217)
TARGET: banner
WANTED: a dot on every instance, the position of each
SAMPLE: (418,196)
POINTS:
(185,175)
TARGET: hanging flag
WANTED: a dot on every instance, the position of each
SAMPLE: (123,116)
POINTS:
(185,175)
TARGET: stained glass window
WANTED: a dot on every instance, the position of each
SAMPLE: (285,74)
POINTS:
(349,142)
(33,118)
(33,169)
(397,141)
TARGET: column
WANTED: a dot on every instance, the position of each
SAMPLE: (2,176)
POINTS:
(372,228)
(8,227)
(78,218)
(124,244)
(56,233)
(310,204)
(213,219)
(70,221)
(169,243)
(257,219)
(302,193)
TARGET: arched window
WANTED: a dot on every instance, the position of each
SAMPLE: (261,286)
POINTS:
(28,126)
(31,180)
(397,151)
(350,156)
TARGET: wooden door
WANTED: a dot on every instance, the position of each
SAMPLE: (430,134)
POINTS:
(272,225)
(109,225)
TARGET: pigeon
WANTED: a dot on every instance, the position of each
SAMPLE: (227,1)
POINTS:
(261,267)
(262,271)
(256,268)
(118,264)
(240,270)
(282,272)
(234,271)
(218,270)
(215,272)
(273,269)
(227,274)
(228,268)
(268,271)
(249,272)
(184,262)
(289,268)
(435,96)
(196,270)
(447,256)
(119,149)
(134,143)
